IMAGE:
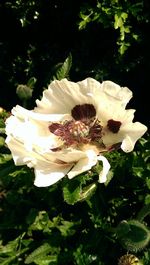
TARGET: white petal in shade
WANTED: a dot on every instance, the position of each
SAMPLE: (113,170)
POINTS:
(105,170)
(132,133)
(18,151)
(113,90)
(66,156)
(127,145)
(21,155)
(50,174)
(21,112)
(83,164)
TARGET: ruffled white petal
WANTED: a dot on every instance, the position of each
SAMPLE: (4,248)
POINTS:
(128,133)
(20,155)
(48,174)
(114,92)
(60,97)
(33,134)
(83,164)
(69,155)
(132,133)
(112,102)
(105,170)
(23,113)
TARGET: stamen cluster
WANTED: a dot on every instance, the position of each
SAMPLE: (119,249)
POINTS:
(77,132)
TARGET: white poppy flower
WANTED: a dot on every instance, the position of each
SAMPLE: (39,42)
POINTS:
(70,128)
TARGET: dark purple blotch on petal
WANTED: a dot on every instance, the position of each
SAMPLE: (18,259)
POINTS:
(56,128)
(114,147)
(113,126)
(83,112)
(55,149)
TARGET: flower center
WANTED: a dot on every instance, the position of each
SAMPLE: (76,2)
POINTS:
(77,132)
(83,128)
(79,129)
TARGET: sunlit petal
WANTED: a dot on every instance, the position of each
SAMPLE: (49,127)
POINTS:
(132,133)
(105,170)
(83,164)
(49,174)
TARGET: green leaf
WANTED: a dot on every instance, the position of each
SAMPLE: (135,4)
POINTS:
(118,22)
(124,15)
(38,253)
(71,191)
(12,250)
(147,199)
(84,258)
(40,220)
(85,20)
(2,123)
(7,170)
(144,212)
(66,228)
(2,141)
(64,69)
(148,182)
(87,191)
(10,247)
(31,82)
(8,260)
(4,158)
(123,47)
(46,260)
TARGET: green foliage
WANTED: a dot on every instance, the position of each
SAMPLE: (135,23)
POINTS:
(39,256)
(146,257)
(79,189)
(62,69)
(27,10)
(12,252)
(71,192)
(116,15)
(144,212)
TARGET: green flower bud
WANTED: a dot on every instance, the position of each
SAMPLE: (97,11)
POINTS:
(24,92)
(135,235)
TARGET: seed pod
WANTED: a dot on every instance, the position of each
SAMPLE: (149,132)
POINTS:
(129,259)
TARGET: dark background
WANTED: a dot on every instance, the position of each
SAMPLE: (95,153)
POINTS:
(35,47)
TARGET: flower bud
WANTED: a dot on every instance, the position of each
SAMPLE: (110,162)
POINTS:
(24,92)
